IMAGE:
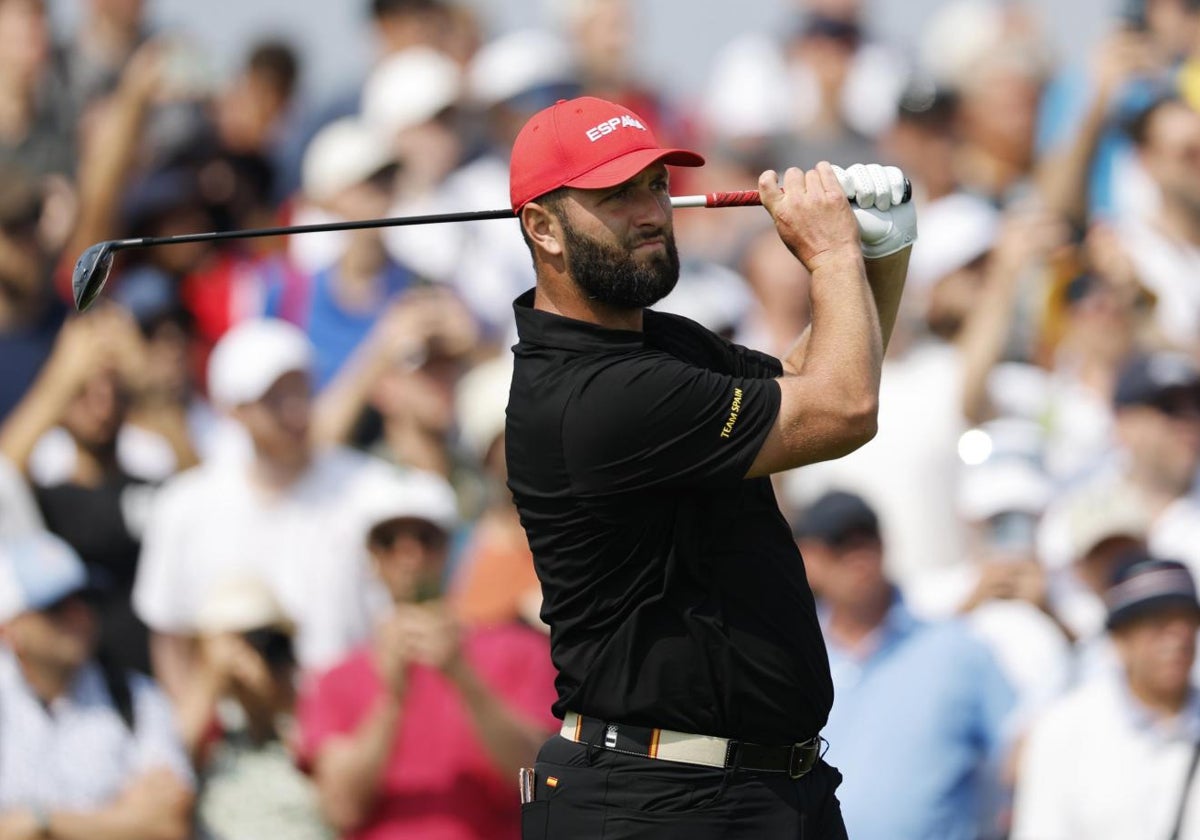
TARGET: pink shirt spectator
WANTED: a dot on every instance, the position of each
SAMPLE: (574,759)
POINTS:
(439,783)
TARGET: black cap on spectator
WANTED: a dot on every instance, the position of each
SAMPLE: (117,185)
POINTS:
(835,516)
(159,194)
(1144,585)
(1147,380)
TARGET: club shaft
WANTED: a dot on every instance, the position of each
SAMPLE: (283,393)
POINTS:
(738,198)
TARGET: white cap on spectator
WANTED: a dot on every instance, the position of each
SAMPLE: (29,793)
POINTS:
(955,231)
(409,88)
(517,63)
(1005,485)
(252,356)
(343,154)
(480,400)
(240,604)
(36,570)
(409,494)
(1094,517)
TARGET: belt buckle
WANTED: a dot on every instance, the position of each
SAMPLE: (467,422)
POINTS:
(801,759)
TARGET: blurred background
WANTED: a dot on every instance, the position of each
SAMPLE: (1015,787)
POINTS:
(267,479)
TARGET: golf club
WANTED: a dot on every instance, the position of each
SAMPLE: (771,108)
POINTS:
(94,264)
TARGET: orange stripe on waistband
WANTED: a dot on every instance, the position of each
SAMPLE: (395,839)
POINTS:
(654,734)
(578,728)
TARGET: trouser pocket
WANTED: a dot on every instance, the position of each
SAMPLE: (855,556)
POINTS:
(535,818)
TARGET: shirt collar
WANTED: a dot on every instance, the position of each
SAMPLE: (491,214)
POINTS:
(545,329)
(1183,726)
(898,623)
(87,686)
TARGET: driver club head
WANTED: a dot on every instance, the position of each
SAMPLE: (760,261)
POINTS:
(91,273)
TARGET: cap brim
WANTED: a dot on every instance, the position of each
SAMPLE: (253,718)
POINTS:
(621,169)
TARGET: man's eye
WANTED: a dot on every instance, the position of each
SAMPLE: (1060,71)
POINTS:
(660,185)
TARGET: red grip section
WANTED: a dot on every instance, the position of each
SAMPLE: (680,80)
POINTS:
(741,198)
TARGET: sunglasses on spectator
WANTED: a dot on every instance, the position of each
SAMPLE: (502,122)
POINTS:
(272,644)
(1179,405)
(87,597)
(427,534)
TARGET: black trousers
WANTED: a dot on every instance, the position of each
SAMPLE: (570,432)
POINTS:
(587,793)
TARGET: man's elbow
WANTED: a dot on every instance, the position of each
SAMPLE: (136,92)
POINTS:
(860,423)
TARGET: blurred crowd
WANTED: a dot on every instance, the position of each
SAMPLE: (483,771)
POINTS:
(259,569)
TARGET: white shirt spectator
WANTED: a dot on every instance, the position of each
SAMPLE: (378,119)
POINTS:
(1097,766)
(211,523)
(1167,267)
(79,753)
(909,473)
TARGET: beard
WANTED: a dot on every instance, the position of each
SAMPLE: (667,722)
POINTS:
(614,276)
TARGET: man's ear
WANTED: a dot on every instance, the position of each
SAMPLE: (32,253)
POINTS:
(543,228)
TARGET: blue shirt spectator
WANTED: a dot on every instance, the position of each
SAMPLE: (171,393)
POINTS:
(334,328)
(920,720)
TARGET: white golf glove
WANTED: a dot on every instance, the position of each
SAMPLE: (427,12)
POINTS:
(886,223)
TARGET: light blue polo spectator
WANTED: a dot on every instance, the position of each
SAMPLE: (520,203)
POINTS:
(921,719)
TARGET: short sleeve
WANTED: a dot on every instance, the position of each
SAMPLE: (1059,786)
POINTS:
(323,712)
(651,421)
(156,739)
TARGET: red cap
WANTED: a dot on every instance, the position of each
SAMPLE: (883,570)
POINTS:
(587,143)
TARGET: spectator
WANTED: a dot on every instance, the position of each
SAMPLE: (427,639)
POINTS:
(67,436)
(1116,758)
(487,264)
(37,117)
(1002,589)
(1165,248)
(993,57)
(85,749)
(348,172)
(30,315)
(237,720)
(922,689)
(923,141)
(404,375)
(420,734)
(823,91)
(1157,411)
(102,44)
(283,513)
(1103,526)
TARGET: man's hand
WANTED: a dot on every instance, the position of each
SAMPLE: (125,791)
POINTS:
(810,214)
(886,223)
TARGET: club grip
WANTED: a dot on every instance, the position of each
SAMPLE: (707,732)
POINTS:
(745,198)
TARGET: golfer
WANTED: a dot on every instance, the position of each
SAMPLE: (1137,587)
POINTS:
(692,677)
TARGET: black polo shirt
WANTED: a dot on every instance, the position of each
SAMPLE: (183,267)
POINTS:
(675,594)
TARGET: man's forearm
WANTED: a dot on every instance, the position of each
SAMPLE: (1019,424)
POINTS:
(116,823)
(886,278)
(349,770)
(37,413)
